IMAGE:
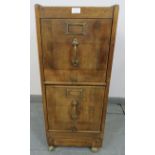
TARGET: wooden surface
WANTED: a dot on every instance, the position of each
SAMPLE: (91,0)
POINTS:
(88,108)
(75,57)
(86,12)
(92,51)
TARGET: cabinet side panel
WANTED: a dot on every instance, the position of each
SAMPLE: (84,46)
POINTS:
(110,60)
(38,28)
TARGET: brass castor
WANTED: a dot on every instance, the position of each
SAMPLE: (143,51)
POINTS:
(94,149)
(51,148)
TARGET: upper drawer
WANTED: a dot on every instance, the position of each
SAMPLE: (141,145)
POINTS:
(78,48)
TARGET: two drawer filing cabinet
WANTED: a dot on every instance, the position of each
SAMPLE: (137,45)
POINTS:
(75,47)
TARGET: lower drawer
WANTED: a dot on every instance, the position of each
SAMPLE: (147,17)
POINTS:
(74,108)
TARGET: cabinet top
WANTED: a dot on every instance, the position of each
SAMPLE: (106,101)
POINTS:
(75,12)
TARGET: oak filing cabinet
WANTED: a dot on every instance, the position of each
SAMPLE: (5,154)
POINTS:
(75,47)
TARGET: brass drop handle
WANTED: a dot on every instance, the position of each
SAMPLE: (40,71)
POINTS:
(75,61)
(74,114)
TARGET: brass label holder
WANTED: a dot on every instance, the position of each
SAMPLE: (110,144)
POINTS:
(74,92)
(69,25)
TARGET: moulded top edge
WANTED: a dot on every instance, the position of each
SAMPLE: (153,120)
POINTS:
(68,12)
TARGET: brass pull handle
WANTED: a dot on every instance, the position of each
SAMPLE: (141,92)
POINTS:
(74,114)
(75,61)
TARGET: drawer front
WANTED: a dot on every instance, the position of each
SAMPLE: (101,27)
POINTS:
(71,108)
(76,48)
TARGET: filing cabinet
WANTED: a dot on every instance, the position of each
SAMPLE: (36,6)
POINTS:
(75,55)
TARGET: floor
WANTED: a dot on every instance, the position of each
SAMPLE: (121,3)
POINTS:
(114,140)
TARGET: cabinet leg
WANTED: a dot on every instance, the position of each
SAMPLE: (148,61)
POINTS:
(51,148)
(94,149)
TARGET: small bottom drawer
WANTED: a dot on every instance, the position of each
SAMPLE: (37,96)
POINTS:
(80,139)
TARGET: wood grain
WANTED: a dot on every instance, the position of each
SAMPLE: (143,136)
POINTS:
(40,55)
(88,110)
(92,51)
(110,60)
(86,12)
(75,97)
